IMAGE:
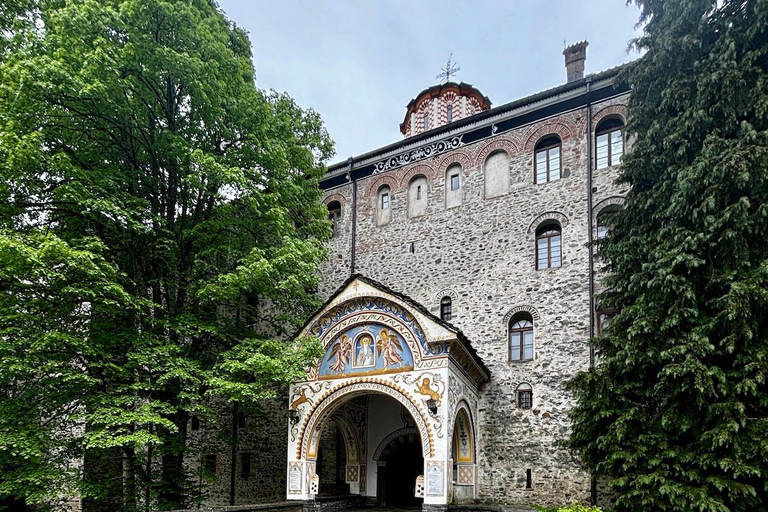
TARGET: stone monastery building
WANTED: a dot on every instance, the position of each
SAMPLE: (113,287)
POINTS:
(460,296)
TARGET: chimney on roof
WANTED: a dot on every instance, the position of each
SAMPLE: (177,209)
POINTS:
(575,57)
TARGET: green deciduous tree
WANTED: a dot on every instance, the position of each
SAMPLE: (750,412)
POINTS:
(676,412)
(160,232)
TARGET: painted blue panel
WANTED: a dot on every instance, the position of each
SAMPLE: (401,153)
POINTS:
(366,349)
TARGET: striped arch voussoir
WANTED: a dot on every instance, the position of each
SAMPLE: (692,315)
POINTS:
(612,110)
(455,157)
(506,144)
(373,187)
(563,130)
(426,170)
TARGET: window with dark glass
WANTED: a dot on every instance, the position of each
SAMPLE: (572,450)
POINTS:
(521,339)
(548,247)
(449,113)
(609,141)
(334,215)
(426,122)
(524,396)
(446,311)
(209,464)
(455,181)
(547,159)
(418,192)
(604,317)
(245,464)
(385,201)
(195,423)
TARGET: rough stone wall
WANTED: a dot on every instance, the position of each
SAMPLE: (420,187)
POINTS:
(482,253)
(263,437)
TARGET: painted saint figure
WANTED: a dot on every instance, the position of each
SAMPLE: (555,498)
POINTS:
(364,354)
(389,348)
(340,354)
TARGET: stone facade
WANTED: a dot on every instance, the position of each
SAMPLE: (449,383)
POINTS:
(453,214)
(478,247)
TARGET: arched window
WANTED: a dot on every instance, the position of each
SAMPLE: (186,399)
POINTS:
(609,141)
(603,229)
(334,215)
(521,337)
(426,122)
(449,113)
(547,161)
(453,186)
(525,396)
(383,205)
(446,311)
(548,247)
(417,196)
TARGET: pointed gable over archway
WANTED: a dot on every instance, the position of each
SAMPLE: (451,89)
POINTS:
(377,341)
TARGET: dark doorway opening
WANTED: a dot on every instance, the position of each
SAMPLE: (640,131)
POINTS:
(398,468)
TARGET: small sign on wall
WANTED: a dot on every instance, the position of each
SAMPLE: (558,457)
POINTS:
(419,489)
(294,478)
(435,478)
(314,484)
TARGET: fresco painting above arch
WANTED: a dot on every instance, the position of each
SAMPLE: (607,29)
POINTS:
(365,350)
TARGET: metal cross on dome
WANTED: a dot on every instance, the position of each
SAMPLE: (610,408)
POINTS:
(448,70)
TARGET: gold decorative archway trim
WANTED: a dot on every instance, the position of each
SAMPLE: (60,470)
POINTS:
(326,405)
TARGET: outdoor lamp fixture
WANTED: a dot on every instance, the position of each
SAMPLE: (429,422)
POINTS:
(293,415)
(432,406)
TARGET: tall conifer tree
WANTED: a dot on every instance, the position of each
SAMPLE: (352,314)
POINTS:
(675,413)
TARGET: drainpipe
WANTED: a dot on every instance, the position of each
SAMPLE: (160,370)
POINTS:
(354,212)
(233,455)
(592,479)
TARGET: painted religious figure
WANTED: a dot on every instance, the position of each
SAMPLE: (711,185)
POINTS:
(364,355)
(389,348)
(340,354)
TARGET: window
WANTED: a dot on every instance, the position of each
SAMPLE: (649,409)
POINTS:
(334,215)
(548,247)
(524,396)
(383,205)
(602,229)
(245,464)
(240,420)
(609,142)
(455,181)
(445,308)
(604,317)
(521,338)
(209,464)
(417,196)
(426,122)
(449,114)
(195,423)
(547,159)
(453,186)
(418,192)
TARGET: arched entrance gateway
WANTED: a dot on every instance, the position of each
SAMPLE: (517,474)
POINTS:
(379,414)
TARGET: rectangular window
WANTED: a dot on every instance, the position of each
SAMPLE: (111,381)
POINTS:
(445,311)
(209,464)
(454,182)
(245,464)
(541,167)
(449,113)
(528,344)
(610,148)
(554,164)
(602,151)
(385,201)
(426,122)
(525,399)
(528,479)
(514,339)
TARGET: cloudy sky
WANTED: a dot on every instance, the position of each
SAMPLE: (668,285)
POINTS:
(359,62)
